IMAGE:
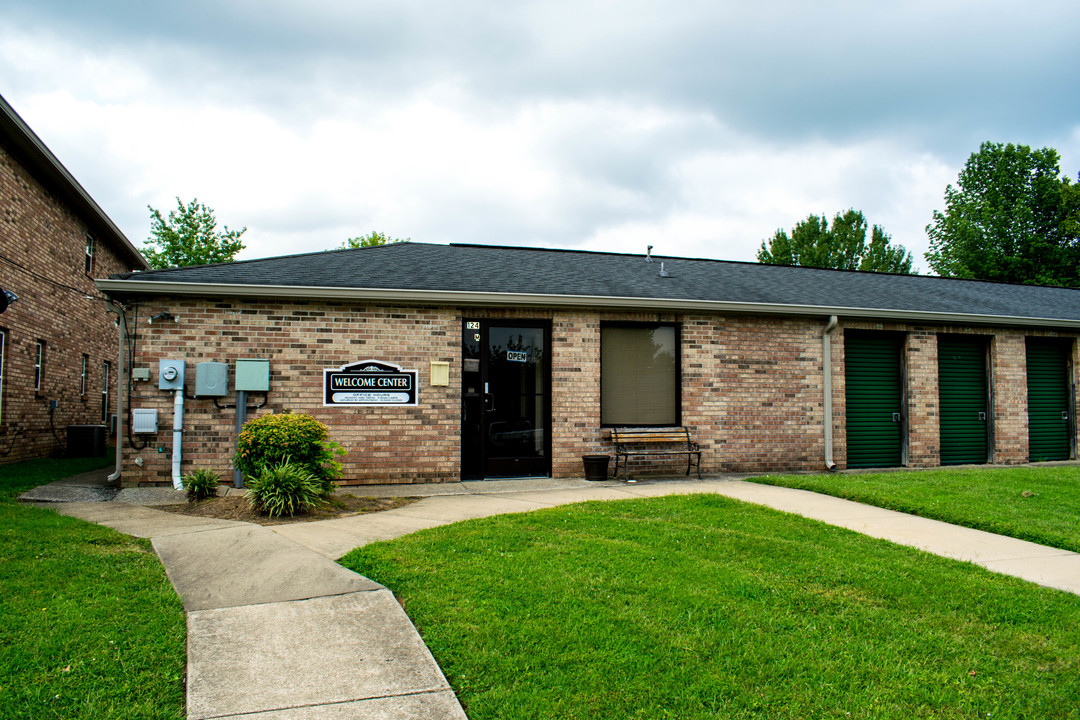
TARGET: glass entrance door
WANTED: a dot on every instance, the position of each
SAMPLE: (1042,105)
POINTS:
(506,399)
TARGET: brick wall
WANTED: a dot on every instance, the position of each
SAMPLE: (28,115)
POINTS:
(42,258)
(300,339)
(1008,355)
(575,404)
(1008,388)
(1074,382)
(923,424)
(752,387)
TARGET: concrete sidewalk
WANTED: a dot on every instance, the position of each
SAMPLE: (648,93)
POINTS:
(1039,564)
(278,631)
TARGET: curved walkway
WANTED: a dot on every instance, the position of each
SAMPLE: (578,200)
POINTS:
(279,631)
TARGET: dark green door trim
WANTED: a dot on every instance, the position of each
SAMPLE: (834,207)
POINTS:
(1051,427)
(963,399)
(876,408)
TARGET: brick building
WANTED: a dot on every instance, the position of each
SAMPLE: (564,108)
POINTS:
(58,343)
(524,359)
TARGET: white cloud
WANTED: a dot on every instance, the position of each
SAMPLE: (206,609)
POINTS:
(700,129)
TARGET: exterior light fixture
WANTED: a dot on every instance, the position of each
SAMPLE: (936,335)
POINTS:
(6,298)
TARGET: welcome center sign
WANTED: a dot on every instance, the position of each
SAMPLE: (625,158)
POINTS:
(371,383)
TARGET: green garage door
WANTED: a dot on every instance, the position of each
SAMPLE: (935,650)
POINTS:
(962,399)
(1048,399)
(874,398)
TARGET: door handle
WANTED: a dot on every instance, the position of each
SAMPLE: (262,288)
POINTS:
(1064,414)
(982,416)
(489,402)
(896,417)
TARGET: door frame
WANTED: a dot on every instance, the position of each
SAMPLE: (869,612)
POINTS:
(984,345)
(476,468)
(899,342)
(1065,346)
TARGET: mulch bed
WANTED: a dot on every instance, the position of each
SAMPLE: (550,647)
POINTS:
(235,507)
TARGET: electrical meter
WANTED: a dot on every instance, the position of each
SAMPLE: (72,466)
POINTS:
(170,374)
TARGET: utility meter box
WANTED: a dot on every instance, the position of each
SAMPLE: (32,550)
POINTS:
(211,379)
(143,420)
(170,374)
(253,375)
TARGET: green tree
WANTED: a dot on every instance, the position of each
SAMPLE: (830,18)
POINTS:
(1010,218)
(189,236)
(372,239)
(843,246)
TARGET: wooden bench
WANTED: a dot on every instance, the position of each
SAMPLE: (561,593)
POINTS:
(636,442)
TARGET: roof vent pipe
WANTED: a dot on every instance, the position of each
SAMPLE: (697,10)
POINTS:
(826,353)
(648,254)
(663,272)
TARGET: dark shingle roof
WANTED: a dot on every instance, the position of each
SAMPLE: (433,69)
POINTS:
(522,271)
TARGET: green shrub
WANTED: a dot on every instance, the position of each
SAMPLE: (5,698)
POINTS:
(284,489)
(297,438)
(201,484)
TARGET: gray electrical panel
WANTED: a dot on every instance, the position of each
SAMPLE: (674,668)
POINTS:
(143,420)
(253,375)
(170,374)
(211,379)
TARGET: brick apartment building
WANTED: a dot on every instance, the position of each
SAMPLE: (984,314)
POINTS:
(58,343)
(437,363)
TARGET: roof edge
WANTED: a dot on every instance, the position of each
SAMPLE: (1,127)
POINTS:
(119,288)
(29,143)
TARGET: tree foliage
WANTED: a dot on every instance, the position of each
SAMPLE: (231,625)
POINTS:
(189,236)
(843,246)
(372,239)
(1010,218)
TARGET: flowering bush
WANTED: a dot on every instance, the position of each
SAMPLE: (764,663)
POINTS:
(297,439)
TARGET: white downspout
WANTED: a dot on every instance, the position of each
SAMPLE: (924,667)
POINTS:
(177,437)
(121,386)
(826,348)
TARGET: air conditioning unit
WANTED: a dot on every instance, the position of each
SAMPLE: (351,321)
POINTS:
(85,441)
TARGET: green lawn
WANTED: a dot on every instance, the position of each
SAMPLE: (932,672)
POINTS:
(89,625)
(1041,504)
(705,607)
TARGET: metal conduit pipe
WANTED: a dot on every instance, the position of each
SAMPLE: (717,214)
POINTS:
(178,436)
(826,349)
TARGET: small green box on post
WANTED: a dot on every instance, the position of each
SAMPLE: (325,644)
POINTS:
(252,375)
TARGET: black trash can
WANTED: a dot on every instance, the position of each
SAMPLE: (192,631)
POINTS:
(596,466)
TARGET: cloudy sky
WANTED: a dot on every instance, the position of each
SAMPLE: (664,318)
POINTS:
(697,127)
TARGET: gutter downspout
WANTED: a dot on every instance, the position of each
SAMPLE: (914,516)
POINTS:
(121,385)
(826,349)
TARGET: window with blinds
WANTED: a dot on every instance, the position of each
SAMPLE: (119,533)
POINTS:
(639,375)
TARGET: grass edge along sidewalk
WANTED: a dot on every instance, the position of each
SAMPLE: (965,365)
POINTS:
(90,626)
(1040,504)
(701,606)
